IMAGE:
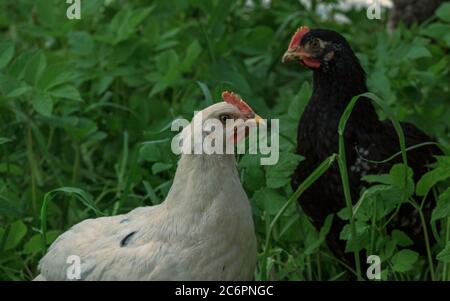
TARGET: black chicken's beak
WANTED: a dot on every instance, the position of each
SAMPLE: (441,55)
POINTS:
(289,55)
(295,53)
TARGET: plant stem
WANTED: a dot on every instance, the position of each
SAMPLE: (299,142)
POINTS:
(427,243)
(348,199)
(446,271)
(32,162)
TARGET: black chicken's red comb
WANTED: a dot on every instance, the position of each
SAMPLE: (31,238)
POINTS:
(298,35)
(235,100)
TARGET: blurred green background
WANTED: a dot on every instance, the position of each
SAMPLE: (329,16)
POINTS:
(88,104)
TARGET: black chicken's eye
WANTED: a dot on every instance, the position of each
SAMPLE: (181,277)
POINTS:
(315,43)
(223,117)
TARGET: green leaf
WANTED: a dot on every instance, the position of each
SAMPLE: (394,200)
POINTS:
(442,209)
(19,91)
(404,260)
(397,174)
(206,92)
(401,238)
(444,255)
(279,174)
(192,53)
(443,12)
(6,54)
(436,30)
(430,179)
(417,52)
(54,75)
(16,233)
(380,83)
(35,67)
(66,91)
(34,244)
(4,140)
(269,200)
(310,248)
(383,179)
(256,40)
(81,42)
(160,167)
(43,104)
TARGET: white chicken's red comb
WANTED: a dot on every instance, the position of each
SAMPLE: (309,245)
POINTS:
(237,101)
(298,35)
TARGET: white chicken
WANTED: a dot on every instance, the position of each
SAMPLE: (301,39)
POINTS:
(202,231)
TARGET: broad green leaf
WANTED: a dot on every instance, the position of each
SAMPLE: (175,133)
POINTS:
(81,42)
(4,140)
(54,75)
(33,245)
(192,53)
(444,255)
(17,68)
(160,167)
(256,40)
(206,92)
(417,52)
(35,67)
(443,12)
(43,104)
(19,91)
(383,179)
(279,174)
(397,174)
(404,260)
(16,233)
(269,200)
(401,238)
(430,179)
(322,235)
(6,54)
(66,91)
(442,209)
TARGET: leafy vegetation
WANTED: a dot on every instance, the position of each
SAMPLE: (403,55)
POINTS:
(85,109)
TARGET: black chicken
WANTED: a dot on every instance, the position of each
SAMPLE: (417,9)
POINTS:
(337,78)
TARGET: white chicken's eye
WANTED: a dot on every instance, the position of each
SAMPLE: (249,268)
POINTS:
(223,117)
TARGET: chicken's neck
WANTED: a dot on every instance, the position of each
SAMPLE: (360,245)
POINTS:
(199,179)
(333,89)
(335,84)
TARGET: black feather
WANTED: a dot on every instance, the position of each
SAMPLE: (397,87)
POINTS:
(124,242)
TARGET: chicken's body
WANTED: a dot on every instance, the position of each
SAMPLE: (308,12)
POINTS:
(337,78)
(202,231)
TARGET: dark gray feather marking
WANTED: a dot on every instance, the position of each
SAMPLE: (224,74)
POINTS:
(124,242)
(125,220)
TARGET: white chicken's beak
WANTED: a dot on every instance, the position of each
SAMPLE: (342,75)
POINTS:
(252,117)
(259,120)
